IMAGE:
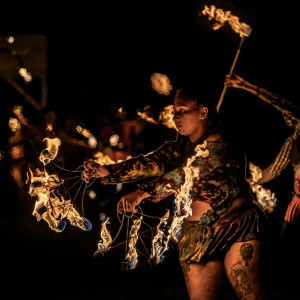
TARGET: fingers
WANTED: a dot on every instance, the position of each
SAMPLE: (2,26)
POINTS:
(125,205)
(88,164)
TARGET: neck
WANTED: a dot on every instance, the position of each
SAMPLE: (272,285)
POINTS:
(195,136)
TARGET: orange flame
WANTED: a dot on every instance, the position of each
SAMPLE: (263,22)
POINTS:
(147,118)
(51,205)
(182,201)
(132,256)
(51,150)
(264,196)
(221,17)
(160,240)
(105,238)
(166,117)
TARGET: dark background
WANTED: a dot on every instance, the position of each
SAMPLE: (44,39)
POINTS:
(100,56)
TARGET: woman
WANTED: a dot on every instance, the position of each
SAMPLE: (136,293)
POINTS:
(224,230)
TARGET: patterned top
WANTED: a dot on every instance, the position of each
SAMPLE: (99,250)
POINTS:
(221,176)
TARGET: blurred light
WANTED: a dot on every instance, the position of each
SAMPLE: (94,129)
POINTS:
(14,124)
(120,146)
(119,187)
(10,39)
(92,194)
(114,140)
(92,142)
(161,84)
(25,74)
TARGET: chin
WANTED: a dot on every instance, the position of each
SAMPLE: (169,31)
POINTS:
(181,131)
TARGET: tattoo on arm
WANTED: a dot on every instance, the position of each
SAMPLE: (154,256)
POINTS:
(239,280)
(246,252)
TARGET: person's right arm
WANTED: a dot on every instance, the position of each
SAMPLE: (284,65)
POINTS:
(276,101)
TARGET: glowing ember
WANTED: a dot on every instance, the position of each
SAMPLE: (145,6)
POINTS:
(51,150)
(264,196)
(221,17)
(132,257)
(161,84)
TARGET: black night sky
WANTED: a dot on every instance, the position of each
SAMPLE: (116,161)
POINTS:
(100,56)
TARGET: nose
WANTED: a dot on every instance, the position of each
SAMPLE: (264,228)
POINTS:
(176,116)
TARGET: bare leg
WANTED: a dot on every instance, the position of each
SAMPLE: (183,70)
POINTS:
(243,269)
(205,280)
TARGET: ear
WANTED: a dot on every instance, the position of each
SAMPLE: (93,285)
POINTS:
(203,110)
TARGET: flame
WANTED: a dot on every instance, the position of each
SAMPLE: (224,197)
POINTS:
(182,201)
(103,159)
(166,117)
(51,150)
(105,238)
(51,205)
(183,197)
(221,17)
(132,256)
(160,240)
(147,118)
(161,84)
(264,196)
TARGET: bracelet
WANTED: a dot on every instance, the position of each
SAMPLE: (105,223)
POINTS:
(257,91)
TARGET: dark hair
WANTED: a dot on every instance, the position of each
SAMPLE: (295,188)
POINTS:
(196,92)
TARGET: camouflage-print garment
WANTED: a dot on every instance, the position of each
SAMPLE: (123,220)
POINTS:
(221,174)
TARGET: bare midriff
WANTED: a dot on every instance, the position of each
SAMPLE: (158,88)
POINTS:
(200,207)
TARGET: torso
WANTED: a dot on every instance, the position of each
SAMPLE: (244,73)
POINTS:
(200,207)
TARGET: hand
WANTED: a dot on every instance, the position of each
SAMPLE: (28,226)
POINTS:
(93,169)
(234,81)
(128,202)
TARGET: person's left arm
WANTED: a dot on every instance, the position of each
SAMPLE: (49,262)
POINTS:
(172,181)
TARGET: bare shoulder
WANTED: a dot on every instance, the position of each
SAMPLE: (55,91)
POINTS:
(214,137)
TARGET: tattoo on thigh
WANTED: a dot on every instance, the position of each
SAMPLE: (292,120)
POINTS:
(239,280)
(246,252)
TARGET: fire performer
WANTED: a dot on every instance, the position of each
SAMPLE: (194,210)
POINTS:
(224,231)
(289,152)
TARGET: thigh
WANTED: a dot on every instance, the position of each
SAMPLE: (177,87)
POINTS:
(205,279)
(243,268)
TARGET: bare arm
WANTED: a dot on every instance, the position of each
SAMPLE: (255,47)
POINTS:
(276,101)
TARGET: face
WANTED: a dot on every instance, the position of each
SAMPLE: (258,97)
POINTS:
(189,118)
